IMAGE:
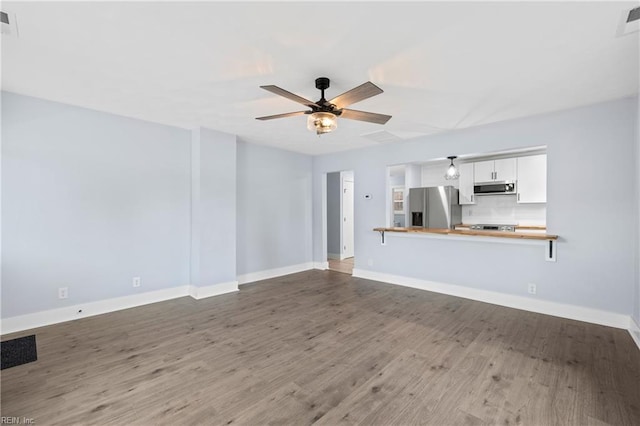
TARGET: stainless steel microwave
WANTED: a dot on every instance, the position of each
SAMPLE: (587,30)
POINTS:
(493,188)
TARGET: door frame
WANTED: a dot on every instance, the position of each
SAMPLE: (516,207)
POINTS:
(325,261)
(344,178)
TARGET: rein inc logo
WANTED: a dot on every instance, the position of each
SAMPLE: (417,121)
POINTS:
(5,420)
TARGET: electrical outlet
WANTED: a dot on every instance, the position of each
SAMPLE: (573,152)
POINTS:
(532,289)
(370,262)
(136,281)
(63,292)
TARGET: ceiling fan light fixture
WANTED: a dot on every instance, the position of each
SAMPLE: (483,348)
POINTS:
(452,171)
(322,122)
(323,117)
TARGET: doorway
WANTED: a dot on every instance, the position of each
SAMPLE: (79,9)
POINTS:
(340,221)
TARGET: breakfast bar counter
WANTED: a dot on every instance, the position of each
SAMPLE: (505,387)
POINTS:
(465,232)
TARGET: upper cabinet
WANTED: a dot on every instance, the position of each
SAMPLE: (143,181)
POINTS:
(506,169)
(495,170)
(483,171)
(532,179)
(465,183)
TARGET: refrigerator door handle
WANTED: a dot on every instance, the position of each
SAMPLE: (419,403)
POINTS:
(425,203)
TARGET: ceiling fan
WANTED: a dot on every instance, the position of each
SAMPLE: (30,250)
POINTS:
(323,114)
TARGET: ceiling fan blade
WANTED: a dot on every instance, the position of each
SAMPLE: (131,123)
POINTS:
(292,96)
(357,94)
(286,114)
(371,117)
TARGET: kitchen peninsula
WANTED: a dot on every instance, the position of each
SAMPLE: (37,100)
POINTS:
(469,232)
(549,241)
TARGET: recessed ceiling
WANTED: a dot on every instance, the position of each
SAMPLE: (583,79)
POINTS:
(442,66)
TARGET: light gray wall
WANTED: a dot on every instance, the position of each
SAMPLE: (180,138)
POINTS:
(333,213)
(397,180)
(273,208)
(591,150)
(89,200)
(213,207)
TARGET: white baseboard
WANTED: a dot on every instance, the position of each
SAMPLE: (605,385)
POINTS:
(323,266)
(213,290)
(562,310)
(273,273)
(84,310)
(634,330)
(334,256)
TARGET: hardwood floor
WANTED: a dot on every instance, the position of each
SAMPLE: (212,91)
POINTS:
(345,266)
(324,347)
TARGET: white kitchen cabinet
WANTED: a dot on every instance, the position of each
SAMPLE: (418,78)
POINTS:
(532,179)
(483,171)
(506,169)
(465,183)
(495,170)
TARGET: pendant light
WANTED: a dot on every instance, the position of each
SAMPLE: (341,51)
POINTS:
(452,172)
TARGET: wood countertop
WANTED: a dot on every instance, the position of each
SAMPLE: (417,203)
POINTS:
(523,227)
(445,231)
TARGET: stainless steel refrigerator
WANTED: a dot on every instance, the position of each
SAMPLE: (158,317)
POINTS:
(435,207)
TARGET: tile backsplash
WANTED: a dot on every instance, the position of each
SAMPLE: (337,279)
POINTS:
(504,209)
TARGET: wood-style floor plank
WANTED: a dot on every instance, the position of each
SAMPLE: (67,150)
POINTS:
(321,347)
(345,266)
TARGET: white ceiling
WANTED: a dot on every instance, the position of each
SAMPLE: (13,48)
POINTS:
(442,65)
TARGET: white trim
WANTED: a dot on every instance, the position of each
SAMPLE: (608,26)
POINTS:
(324,223)
(347,176)
(89,309)
(341,212)
(335,256)
(69,313)
(213,290)
(562,310)
(273,273)
(323,266)
(634,330)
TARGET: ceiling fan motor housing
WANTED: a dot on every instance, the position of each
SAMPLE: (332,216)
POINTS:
(322,83)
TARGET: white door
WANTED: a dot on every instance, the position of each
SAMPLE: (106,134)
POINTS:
(347,219)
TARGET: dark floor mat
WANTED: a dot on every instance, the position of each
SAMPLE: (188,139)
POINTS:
(18,351)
